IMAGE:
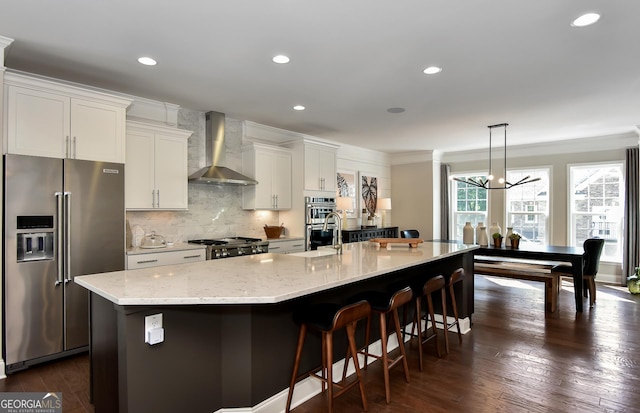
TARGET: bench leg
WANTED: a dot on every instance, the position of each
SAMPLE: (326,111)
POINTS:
(551,294)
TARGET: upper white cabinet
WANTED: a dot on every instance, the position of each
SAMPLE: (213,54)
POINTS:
(319,167)
(45,118)
(271,167)
(156,167)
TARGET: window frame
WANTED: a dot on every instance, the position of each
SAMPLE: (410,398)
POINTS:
(453,198)
(530,212)
(571,231)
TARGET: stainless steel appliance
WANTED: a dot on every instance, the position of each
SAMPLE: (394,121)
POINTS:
(316,212)
(232,247)
(62,219)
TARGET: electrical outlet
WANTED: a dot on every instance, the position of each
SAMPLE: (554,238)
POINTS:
(151,325)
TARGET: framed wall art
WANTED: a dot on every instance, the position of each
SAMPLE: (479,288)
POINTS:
(347,188)
(368,192)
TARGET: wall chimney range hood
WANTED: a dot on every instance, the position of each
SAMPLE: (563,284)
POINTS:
(214,173)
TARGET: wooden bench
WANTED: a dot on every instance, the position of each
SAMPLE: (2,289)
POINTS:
(523,270)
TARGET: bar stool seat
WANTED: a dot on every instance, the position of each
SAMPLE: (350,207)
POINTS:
(386,303)
(328,318)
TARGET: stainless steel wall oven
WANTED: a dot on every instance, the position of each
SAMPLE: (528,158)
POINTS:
(316,211)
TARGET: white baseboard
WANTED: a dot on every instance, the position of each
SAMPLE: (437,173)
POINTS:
(2,371)
(309,387)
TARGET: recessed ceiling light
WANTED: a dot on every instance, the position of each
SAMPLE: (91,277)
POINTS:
(395,110)
(432,70)
(282,59)
(299,107)
(147,61)
(586,20)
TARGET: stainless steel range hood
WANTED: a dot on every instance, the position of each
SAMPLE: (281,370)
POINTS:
(214,173)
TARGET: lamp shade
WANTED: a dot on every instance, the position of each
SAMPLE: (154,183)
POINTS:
(344,203)
(384,204)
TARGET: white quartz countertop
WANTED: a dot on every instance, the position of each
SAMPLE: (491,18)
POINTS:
(180,246)
(261,278)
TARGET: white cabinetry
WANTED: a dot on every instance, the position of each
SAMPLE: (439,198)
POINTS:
(319,167)
(156,167)
(165,257)
(45,118)
(286,246)
(271,167)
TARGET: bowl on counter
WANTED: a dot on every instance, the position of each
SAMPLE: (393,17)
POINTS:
(273,232)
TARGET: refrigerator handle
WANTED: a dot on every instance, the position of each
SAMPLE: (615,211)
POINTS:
(60,236)
(67,238)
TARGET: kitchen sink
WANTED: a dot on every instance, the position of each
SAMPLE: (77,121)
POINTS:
(315,253)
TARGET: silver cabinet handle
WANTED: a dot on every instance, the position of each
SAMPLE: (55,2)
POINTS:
(67,145)
(60,235)
(153,198)
(75,153)
(157,198)
(186,257)
(146,261)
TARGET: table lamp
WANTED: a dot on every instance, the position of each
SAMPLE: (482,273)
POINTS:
(343,204)
(384,205)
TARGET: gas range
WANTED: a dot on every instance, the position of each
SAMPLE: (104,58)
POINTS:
(232,247)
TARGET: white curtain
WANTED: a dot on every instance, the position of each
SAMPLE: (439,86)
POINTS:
(631,240)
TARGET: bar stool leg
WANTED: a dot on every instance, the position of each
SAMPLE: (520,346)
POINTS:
(443,295)
(296,364)
(385,357)
(403,351)
(454,306)
(327,339)
(433,325)
(417,322)
(351,330)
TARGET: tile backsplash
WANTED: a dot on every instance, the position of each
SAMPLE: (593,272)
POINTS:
(214,211)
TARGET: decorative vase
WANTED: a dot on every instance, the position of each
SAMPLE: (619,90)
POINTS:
(478,229)
(507,240)
(483,238)
(495,228)
(633,282)
(467,233)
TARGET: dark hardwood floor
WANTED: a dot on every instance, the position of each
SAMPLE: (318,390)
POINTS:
(514,360)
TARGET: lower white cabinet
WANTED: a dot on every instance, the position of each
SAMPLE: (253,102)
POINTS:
(286,246)
(166,257)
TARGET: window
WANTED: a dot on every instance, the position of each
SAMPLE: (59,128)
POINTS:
(596,206)
(528,205)
(469,204)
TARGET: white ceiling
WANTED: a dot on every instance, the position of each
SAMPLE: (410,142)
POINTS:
(514,61)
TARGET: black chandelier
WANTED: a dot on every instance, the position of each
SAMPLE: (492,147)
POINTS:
(502,182)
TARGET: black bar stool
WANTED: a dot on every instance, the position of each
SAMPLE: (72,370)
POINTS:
(432,285)
(327,318)
(386,303)
(456,277)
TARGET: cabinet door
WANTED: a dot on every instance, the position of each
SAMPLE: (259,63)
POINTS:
(171,172)
(319,168)
(139,181)
(37,122)
(282,180)
(327,169)
(97,131)
(264,164)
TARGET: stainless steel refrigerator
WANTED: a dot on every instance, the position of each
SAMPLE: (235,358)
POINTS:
(62,219)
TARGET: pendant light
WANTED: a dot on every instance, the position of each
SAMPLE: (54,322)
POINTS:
(491,182)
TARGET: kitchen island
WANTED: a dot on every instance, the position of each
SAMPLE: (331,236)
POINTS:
(229,337)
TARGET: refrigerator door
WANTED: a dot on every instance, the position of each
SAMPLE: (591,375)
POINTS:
(33,291)
(94,209)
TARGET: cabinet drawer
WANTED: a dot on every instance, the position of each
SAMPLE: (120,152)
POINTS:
(286,247)
(164,258)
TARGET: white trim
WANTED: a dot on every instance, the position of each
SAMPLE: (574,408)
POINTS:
(2,371)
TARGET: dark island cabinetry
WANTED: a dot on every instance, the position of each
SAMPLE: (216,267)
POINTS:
(363,234)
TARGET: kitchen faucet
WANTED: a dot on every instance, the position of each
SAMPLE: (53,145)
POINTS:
(337,247)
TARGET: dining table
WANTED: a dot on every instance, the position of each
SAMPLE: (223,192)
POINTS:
(555,253)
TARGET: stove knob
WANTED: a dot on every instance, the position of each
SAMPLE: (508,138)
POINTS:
(217,254)
(258,250)
(240,251)
(224,253)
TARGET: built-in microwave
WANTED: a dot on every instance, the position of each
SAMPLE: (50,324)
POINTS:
(317,209)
